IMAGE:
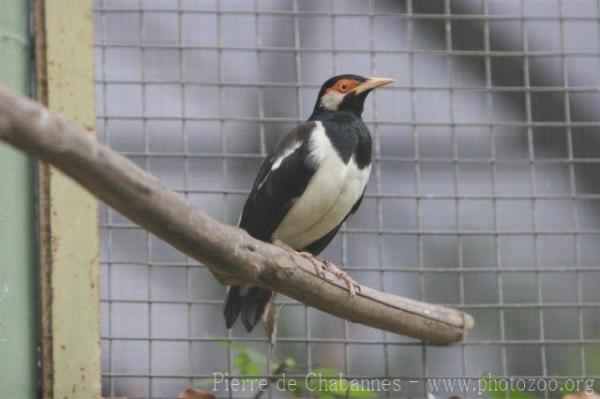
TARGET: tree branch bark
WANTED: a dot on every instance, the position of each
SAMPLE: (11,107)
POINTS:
(228,252)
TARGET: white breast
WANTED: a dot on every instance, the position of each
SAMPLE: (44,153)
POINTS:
(330,195)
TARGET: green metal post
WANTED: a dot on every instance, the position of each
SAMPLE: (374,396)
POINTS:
(17,276)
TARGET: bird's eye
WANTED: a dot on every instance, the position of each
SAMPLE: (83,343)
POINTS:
(343,87)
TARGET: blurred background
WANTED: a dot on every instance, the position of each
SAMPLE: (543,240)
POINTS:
(485,191)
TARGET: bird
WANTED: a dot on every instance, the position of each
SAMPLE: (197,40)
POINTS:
(308,185)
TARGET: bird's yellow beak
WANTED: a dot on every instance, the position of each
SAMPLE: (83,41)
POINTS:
(372,83)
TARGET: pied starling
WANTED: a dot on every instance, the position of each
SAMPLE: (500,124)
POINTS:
(309,184)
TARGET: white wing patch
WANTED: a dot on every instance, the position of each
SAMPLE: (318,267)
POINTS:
(320,145)
(285,154)
(289,151)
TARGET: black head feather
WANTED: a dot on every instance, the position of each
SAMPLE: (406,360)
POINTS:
(351,102)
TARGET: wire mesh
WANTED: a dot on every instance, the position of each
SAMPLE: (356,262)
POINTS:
(484,193)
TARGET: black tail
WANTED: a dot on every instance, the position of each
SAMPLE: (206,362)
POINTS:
(251,302)
(233,305)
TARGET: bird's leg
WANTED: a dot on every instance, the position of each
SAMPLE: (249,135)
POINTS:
(317,263)
(342,275)
(322,265)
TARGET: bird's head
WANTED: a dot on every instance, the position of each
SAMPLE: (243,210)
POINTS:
(347,93)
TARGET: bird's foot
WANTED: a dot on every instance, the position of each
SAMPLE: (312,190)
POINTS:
(319,265)
(322,265)
(342,275)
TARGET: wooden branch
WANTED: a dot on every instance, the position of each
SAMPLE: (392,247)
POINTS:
(228,252)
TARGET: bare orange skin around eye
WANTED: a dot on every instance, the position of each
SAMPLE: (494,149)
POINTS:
(343,86)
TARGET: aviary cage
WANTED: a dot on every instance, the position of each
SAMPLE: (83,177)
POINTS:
(485,193)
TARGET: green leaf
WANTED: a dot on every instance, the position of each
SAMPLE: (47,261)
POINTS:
(352,390)
(325,372)
(361,393)
(251,362)
(565,389)
(247,361)
(258,358)
(245,366)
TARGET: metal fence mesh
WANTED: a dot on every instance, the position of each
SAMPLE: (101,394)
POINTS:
(484,194)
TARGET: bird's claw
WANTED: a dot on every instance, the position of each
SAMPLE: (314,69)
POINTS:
(350,282)
(317,264)
(342,275)
(323,265)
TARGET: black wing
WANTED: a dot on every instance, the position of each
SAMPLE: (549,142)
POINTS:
(275,191)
